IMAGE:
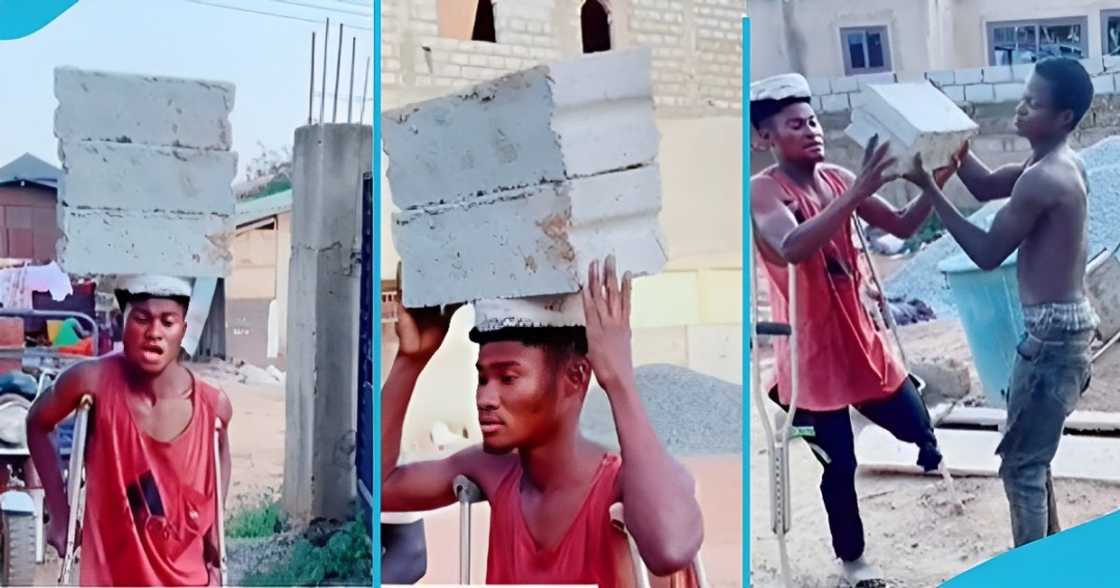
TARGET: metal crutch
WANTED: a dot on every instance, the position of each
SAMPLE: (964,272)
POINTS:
(641,573)
(223,570)
(778,434)
(467,493)
(76,488)
(888,317)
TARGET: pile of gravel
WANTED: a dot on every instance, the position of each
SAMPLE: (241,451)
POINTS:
(693,414)
(920,279)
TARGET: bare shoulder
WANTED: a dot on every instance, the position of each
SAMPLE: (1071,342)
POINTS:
(1050,181)
(85,374)
(765,188)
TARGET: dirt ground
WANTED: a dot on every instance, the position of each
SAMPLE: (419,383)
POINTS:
(910,530)
(256,443)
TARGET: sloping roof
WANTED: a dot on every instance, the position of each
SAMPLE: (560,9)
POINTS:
(28,168)
(249,211)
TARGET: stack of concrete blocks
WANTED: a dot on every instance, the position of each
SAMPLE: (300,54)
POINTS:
(509,189)
(916,118)
(147,174)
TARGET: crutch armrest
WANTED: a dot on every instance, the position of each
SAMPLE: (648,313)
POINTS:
(466,491)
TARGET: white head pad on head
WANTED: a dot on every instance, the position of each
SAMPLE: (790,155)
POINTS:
(781,87)
(536,311)
(154,285)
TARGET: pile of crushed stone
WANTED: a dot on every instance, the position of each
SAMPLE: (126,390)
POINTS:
(693,414)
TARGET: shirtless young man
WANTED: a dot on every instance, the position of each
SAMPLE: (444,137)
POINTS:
(802,210)
(1046,220)
(151,499)
(549,488)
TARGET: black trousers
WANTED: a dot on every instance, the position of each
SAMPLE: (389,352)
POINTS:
(903,414)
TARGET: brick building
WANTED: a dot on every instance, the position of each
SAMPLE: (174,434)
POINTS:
(431,46)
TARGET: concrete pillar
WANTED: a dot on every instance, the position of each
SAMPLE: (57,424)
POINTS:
(321,396)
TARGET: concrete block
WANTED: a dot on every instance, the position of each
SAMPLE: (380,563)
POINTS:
(148,110)
(1008,92)
(969,76)
(1022,72)
(835,103)
(946,379)
(533,241)
(980,93)
(955,93)
(915,118)
(136,177)
(1093,65)
(1111,63)
(1104,84)
(844,85)
(551,123)
(942,78)
(107,241)
(819,86)
(997,74)
(1102,278)
(865,80)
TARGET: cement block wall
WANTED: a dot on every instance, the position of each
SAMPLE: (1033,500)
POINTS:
(988,95)
(697,48)
(321,408)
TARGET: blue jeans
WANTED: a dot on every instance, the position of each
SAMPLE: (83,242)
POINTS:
(1051,373)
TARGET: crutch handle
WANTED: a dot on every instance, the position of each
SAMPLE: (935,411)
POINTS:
(771,329)
(466,491)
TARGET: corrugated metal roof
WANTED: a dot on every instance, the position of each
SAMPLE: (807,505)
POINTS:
(28,168)
(249,211)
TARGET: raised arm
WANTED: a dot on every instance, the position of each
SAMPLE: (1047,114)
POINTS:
(424,485)
(986,184)
(795,242)
(662,513)
(49,409)
(988,249)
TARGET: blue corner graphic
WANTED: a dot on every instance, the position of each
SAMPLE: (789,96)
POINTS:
(1081,556)
(20,18)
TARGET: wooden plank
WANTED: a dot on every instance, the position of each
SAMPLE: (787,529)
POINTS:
(1080,420)
(972,453)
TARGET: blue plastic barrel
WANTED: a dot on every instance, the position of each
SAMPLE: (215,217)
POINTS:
(989,309)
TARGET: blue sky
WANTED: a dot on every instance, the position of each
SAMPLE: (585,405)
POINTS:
(266,57)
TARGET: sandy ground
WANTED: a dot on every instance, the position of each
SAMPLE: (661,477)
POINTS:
(910,530)
(720,489)
(256,441)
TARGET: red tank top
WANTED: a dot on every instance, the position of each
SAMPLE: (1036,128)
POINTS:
(585,555)
(842,358)
(148,503)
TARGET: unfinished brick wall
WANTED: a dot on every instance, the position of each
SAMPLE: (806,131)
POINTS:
(696,46)
(989,95)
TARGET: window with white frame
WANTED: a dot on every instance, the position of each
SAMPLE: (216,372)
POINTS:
(866,50)
(1110,31)
(1028,41)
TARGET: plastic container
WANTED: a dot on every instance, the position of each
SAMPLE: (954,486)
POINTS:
(992,316)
